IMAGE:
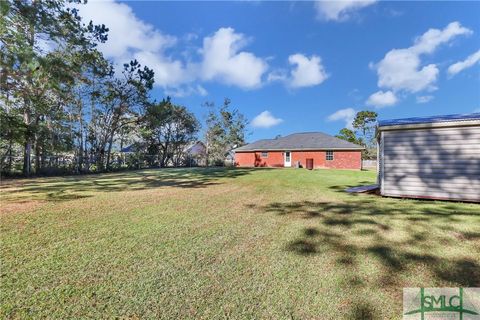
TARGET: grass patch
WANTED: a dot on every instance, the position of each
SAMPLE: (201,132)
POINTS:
(215,243)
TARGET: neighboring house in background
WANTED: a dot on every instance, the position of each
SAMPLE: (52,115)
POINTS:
(434,157)
(195,154)
(133,148)
(192,154)
(308,149)
(230,158)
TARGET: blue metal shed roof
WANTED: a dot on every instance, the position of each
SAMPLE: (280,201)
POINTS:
(433,119)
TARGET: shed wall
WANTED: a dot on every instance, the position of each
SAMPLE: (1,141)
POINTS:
(441,163)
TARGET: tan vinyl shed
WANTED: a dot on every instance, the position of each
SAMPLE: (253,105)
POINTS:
(434,157)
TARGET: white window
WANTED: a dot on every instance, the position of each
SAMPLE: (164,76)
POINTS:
(264,154)
(329,155)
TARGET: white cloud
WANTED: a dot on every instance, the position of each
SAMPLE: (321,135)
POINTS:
(424,99)
(265,120)
(277,75)
(127,33)
(306,71)
(202,91)
(180,72)
(131,38)
(223,61)
(168,72)
(430,40)
(339,10)
(467,63)
(382,99)
(186,90)
(402,70)
(347,115)
(476,110)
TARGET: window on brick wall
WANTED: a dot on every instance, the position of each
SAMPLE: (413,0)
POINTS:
(329,155)
(264,154)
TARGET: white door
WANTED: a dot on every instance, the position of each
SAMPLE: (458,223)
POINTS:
(288,159)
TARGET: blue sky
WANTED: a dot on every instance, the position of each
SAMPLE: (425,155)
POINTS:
(303,66)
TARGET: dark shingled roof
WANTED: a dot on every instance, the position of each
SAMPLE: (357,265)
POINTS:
(434,119)
(301,141)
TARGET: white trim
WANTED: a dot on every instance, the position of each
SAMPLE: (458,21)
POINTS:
(285,163)
(382,163)
(378,160)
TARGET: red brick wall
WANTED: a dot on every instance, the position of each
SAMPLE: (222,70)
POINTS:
(302,156)
(345,160)
(341,159)
(254,159)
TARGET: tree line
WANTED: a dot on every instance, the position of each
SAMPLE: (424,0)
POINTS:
(362,133)
(62,99)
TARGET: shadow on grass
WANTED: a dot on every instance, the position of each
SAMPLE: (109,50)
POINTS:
(74,187)
(400,237)
(342,187)
(362,311)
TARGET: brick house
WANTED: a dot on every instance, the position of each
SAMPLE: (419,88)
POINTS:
(309,150)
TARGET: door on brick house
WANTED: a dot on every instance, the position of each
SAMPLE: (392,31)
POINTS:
(288,159)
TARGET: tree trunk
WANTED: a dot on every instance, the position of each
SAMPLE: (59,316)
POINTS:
(164,155)
(80,155)
(10,155)
(87,156)
(207,149)
(37,148)
(27,148)
(110,142)
(121,147)
(100,154)
(37,156)
(80,149)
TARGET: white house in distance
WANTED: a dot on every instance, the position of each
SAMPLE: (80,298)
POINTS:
(434,157)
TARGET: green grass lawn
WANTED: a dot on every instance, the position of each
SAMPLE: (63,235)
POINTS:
(238,243)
